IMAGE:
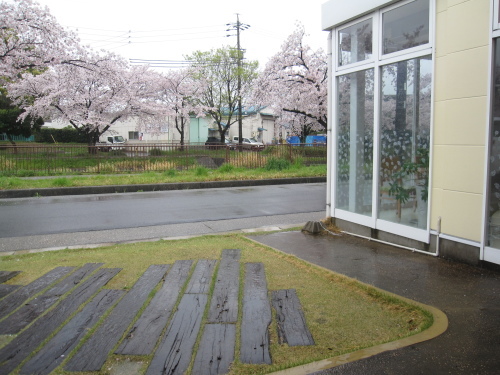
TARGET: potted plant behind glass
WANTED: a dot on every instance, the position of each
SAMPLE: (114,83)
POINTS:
(419,171)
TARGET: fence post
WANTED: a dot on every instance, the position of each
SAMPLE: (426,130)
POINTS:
(98,156)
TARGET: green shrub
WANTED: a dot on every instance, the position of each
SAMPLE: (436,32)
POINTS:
(119,152)
(275,164)
(64,135)
(226,168)
(170,173)
(25,173)
(156,152)
(201,171)
(61,181)
(298,162)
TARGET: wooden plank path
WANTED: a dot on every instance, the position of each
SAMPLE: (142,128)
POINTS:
(224,305)
(28,340)
(202,276)
(7,275)
(34,308)
(175,351)
(143,336)
(16,299)
(168,328)
(6,289)
(256,318)
(216,351)
(92,355)
(292,327)
(57,349)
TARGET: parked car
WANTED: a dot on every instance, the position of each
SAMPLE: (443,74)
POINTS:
(252,144)
(112,142)
(214,143)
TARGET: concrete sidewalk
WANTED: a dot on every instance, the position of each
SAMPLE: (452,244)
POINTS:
(469,296)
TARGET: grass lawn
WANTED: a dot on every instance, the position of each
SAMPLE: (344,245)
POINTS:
(170,176)
(342,314)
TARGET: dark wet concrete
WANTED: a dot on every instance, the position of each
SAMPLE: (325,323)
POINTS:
(469,296)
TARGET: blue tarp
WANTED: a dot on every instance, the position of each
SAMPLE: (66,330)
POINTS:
(310,140)
(316,139)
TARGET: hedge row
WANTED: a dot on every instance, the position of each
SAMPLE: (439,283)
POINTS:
(64,135)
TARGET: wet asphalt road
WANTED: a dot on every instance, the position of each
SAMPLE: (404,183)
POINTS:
(70,214)
(469,296)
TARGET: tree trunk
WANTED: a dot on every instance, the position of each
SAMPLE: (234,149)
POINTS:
(180,129)
(12,142)
(93,138)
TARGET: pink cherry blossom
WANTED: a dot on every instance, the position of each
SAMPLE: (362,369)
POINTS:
(294,84)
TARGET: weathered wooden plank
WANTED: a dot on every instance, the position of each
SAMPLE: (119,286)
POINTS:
(94,352)
(216,350)
(6,289)
(224,304)
(256,317)
(202,276)
(27,341)
(35,307)
(143,336)
(175,351)
(55,351)
(292,326)
(16,299)
(7,275)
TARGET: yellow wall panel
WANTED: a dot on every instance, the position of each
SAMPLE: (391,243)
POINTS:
(441,79)
(459,168)
(461,37)
(442,45)
(441,5)
(461,121)
(461,215)
(467,73)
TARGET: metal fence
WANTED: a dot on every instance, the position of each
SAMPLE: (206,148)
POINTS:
(41,159)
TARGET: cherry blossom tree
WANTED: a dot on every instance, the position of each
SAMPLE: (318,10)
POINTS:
(177,97)
(218,73)
(294,84)
(30,37)
(91,97)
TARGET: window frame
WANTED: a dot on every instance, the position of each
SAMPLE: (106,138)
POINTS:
(377,62)
(487,252)
(404,52)
(495,20)
(336,48)
(132,135)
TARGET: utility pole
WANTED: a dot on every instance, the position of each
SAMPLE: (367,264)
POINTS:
(238,26)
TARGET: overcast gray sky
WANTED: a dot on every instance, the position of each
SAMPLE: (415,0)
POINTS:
(169,30)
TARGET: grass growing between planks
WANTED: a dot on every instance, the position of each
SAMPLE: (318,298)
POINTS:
(342,314)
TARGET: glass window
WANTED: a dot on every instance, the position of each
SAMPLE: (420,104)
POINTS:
(133,135)
(355,142)
(405,27)
(404,141)
(493,238)
(355,43)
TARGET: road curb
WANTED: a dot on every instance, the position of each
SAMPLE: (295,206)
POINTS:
(111,189)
